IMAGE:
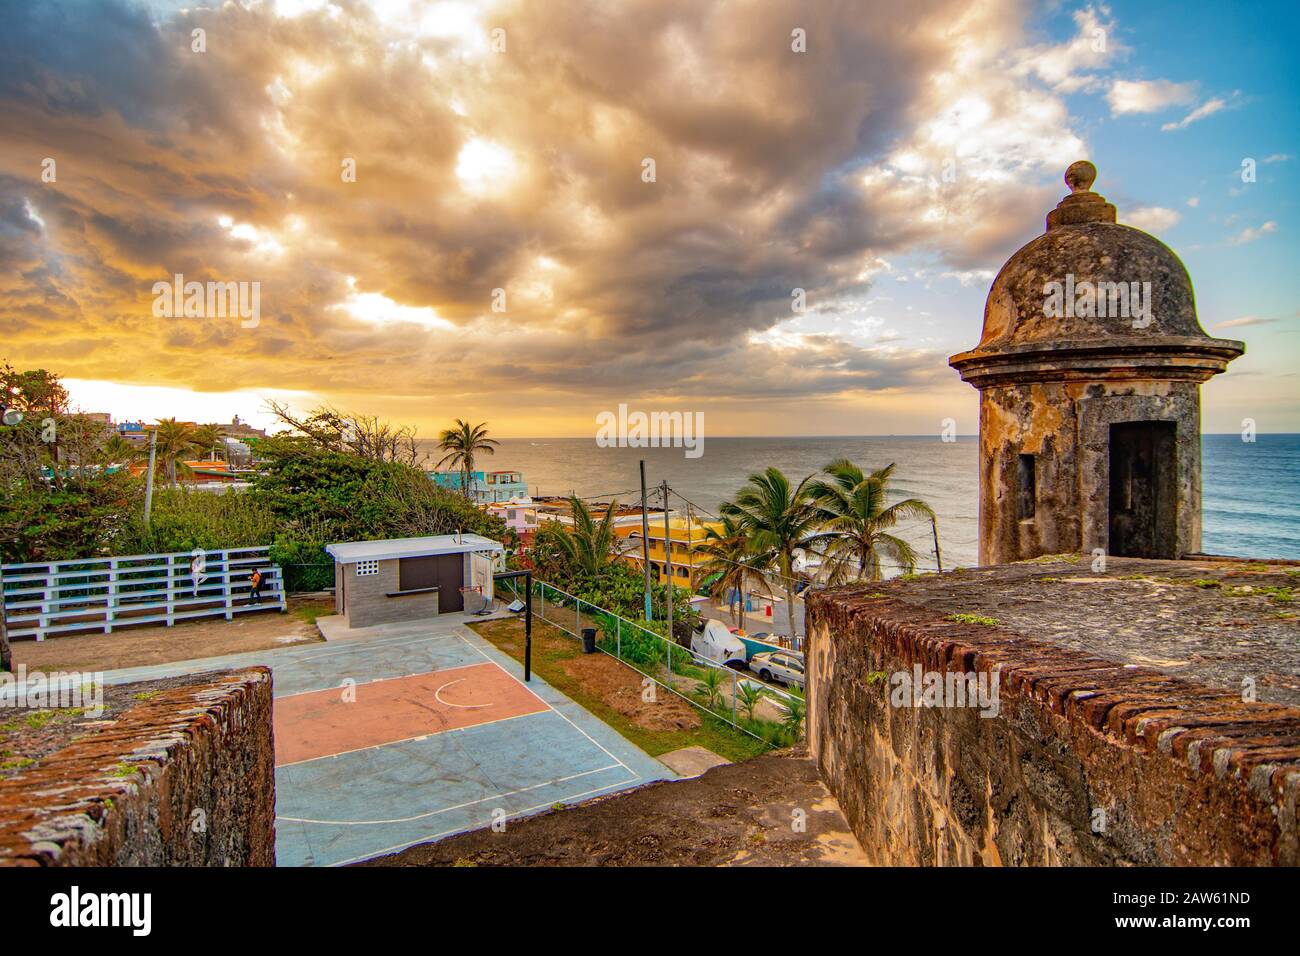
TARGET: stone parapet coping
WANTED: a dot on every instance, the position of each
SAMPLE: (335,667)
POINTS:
(114,796)
(1212,730)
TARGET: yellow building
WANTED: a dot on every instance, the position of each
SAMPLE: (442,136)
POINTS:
(685,535)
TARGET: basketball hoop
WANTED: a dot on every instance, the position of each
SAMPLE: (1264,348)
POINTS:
(485,607)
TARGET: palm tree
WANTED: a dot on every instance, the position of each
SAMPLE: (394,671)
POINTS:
(589,545)
(779,520)
(461,444)
(207,439)
(855,521)
(116,450)
(175,444)
(728,556)
(796,708)
(748,696)
(710,689)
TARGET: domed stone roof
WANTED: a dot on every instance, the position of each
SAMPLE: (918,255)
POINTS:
(1091,284)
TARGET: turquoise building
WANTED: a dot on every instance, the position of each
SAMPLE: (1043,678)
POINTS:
(484,487)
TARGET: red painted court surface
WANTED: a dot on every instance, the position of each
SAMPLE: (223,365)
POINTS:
(340,720)
(442,736)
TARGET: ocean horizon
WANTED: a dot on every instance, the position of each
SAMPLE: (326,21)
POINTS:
(1249,505)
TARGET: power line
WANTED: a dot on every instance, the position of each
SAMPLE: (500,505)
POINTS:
(611,495)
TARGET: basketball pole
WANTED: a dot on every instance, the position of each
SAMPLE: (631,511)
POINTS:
(528,615)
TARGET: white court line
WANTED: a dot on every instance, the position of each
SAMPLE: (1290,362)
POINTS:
(549,704)
(438,836)
(123,675)
(360,646)
(633,775)
(459,806)
(437,694)
(407,740)
(380,680)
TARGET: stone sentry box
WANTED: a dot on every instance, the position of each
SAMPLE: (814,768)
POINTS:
(1089,370)
(409,579)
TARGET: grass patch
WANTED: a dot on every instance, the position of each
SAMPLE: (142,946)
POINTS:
(1052,558)
(1277,593)
(974,619)
(310,612)
(17,763)
(551,647)
(1283,594)
(39,718)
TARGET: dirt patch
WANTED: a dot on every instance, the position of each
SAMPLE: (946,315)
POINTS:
(28,734)
(621,689)
(612,692)
(769,811)
(191,640)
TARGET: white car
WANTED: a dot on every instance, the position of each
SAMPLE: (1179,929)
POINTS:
(783,666)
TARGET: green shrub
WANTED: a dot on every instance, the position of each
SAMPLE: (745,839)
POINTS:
(640,647)
(306,565)
(183,519)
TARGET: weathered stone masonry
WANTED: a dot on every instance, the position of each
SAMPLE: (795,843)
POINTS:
(1185,774)
(127,795)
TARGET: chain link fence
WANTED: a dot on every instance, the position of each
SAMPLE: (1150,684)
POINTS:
(747,704)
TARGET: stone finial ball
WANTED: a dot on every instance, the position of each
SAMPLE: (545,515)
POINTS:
(1080,176)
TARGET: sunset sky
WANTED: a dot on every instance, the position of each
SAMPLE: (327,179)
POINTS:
(479,168)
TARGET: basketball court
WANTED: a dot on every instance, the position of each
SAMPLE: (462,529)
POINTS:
(418,732)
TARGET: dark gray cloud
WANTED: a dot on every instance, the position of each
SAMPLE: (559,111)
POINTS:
(226,165)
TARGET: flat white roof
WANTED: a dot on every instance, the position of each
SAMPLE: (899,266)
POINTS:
(349,552)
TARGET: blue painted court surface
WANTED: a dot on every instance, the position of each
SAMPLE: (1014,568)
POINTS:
(427,779)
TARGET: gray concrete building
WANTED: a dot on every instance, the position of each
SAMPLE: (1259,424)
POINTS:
(408,579)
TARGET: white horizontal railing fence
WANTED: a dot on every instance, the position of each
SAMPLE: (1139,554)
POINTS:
(99,594)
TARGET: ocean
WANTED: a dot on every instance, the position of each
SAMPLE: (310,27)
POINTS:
(1249,498)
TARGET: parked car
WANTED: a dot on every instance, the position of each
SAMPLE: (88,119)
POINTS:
(783,666)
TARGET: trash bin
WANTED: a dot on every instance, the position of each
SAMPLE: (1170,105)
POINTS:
(589,640)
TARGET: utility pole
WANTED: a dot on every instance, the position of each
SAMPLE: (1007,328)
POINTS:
(938,558)
(668,561)
(690,545)
(645,542)
(148,482)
